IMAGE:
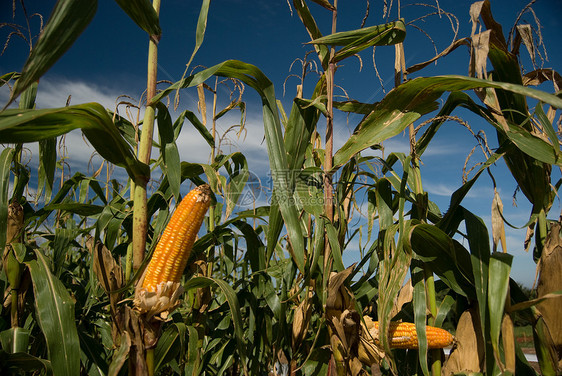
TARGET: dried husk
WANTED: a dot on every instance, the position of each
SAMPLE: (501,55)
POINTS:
(301,321)
(107,270)
(404,296)
(158,304)
(468,353)
(550,280)
(15,223)
(369,353)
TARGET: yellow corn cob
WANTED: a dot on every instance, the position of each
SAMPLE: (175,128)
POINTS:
(402,335)
(172,251)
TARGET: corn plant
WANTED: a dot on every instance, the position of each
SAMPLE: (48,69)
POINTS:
(97,289)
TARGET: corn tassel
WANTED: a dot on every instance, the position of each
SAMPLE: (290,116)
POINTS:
(403,335)
(173,250)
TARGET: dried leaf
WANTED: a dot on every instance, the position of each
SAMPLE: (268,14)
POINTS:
(479,57)
(107,270)
(404,296)
(15,223)
(300,322)
(339,297)
(324,3)
(526,35)
(498,228)
(537,77)
(468,352)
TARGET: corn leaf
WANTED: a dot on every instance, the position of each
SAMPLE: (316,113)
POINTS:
(143,14)
(21,126)
(67,21)
(203,131)
(120,356)
(300,125)
(5,162)
(47,166)
(168,345)
(356,41)
(283,187)
(15,340)
(406,103)
(18,362)
(234,305)
(55,314)
(169,150)
(93,355)
(445,257)
(200,31)
(313,30)
(419,303)
(498,284)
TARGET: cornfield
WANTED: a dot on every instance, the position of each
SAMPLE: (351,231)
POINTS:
(123,272)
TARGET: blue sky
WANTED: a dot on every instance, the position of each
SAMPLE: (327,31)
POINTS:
(109,59)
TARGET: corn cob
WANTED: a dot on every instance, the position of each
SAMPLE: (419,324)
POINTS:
(402,335)
(173,250)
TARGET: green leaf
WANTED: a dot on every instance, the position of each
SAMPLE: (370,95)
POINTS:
(67,21)
(5,162)
(203,131)
(406,103)
(300,125)
(313,30)
(237,179)
(20,126)
(420,308)
(335,248)
(47,166)
(93,355)
(200,31)
(55,314)
(498,284)
(169,150)
(120,356)
(444,256)
(143,14)
(167,347)
(191,367)
(15,340)
(356,41)
(479,243)
(234,305)
(18,362)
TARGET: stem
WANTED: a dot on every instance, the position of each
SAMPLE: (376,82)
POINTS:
(211,250)
(150,361)
(140,220)
(328,157)
(14,308)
